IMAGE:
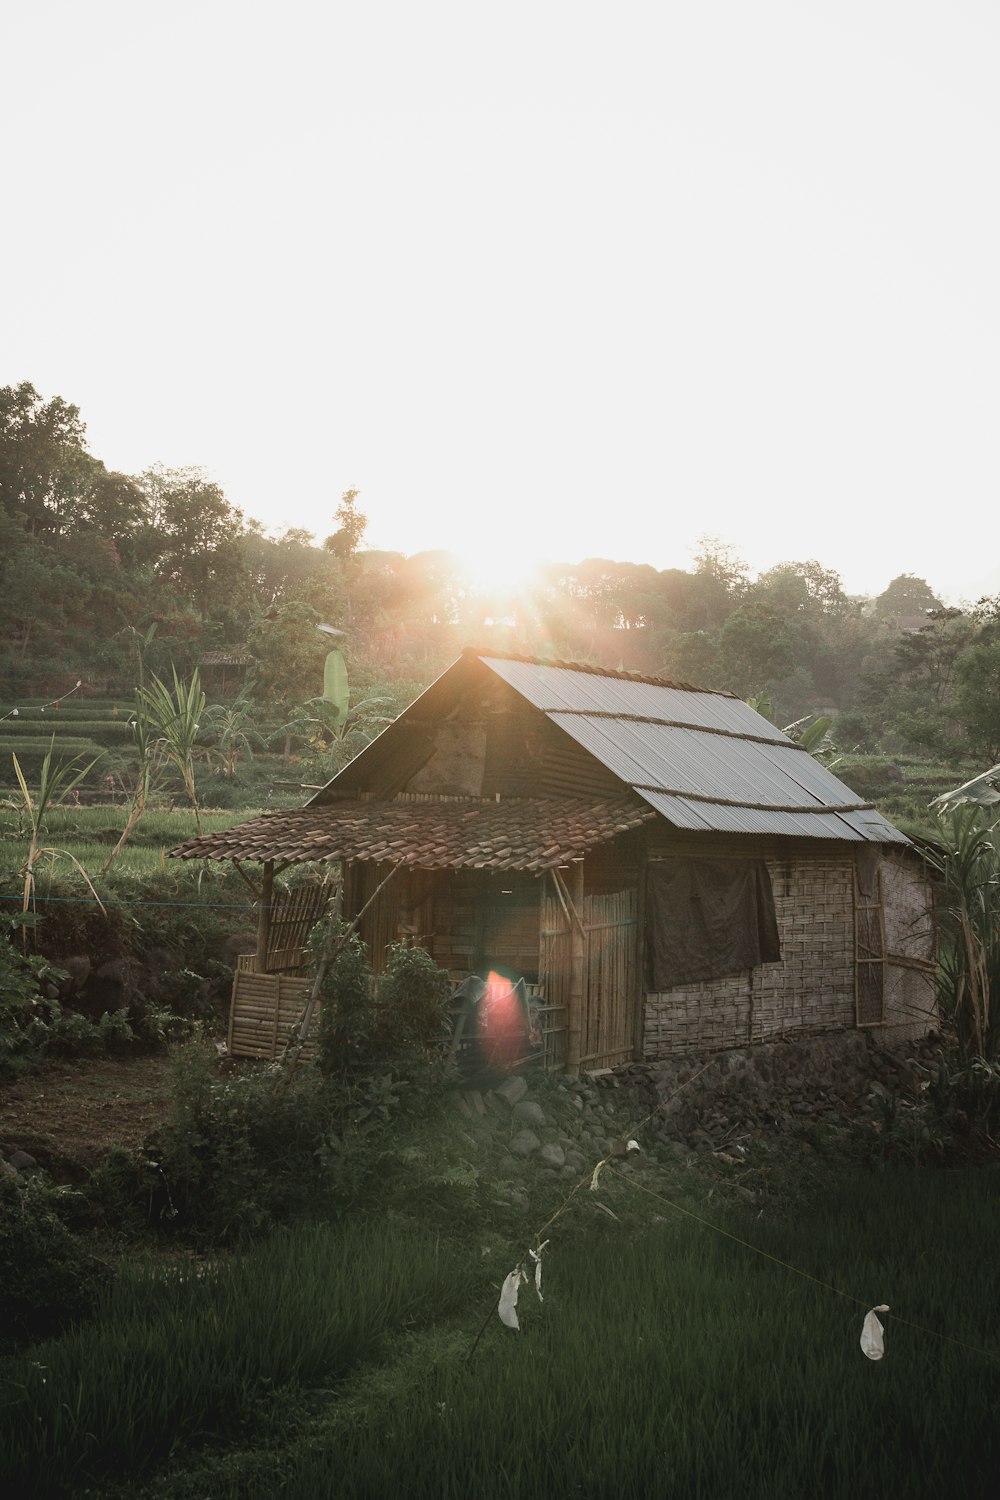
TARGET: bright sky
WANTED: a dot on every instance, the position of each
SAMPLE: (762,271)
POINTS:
(539,279)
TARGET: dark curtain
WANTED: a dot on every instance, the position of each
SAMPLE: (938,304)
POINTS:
(706,918)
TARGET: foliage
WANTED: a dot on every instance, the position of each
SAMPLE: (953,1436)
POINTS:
(242,1150)
(172,720)
(190,1348)
(353,1031)
(55,784)
(231,732)
(967,859)
(416,992)
(48,1276)
(289,651)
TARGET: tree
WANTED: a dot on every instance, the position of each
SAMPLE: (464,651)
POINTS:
(289,651)
(757,646)
(44,463)
(906,595)
(976,705)
(200,533)
(352,526)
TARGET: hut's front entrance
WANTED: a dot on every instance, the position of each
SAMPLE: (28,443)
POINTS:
(470,921)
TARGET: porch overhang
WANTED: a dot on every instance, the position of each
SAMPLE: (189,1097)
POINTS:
(512,833)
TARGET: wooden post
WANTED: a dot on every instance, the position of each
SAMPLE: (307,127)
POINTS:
(577,971)
(264,915)
(638,998)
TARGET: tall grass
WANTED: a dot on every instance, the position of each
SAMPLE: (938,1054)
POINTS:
(678,1364)
(178,1355)
(666,1362)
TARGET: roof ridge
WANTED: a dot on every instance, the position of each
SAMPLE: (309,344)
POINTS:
(594,671)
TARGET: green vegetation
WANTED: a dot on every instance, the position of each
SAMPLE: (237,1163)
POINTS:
(185,1348)
(664,1359)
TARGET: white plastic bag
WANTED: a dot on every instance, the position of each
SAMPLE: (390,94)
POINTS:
(507,1306)
(871,1333)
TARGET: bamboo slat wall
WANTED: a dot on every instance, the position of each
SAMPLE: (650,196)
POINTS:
(292,918)
(869,953)
(813,988)
(911,1007)
(608,1023)
(554,971)
(263,1011)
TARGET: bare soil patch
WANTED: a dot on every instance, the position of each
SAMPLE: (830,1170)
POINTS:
(69,1115)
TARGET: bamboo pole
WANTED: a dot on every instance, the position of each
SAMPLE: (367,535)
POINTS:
(264,915)
(578,938)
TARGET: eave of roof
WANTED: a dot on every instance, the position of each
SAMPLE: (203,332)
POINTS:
(527,833)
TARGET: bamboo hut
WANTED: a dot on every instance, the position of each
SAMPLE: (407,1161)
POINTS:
(662,868)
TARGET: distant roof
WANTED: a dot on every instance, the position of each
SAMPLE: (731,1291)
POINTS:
(231,658)
(704,760)
(526,833)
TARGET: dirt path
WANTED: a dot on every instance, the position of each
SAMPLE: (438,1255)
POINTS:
(70,1115)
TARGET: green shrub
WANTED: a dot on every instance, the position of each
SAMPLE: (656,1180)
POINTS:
(47,1274)
(242,1150)
(415,993)
(351,1036)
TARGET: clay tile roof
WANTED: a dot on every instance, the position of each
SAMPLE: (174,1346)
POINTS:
(525,833)
(234,657)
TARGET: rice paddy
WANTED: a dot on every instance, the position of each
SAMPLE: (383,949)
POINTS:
(669,1361)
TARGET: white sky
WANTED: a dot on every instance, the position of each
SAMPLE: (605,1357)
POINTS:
(542,279)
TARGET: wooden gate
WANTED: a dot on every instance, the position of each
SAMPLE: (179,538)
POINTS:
(605,926)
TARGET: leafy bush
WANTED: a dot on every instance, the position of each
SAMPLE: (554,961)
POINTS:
(366,1025)
(47,1274)
(416,992)
(243,1150)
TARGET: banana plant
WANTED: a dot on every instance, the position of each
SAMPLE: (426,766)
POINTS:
(981,791)
(813,734)
(55,783)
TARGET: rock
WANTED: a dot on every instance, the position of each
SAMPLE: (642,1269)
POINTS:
(78,968)
(553,1155)
(512,1090)
(527,1112)
(21,1161)
(576,1161)
(525,1143)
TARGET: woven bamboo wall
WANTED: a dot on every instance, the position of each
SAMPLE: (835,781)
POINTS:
(608,1022)
(812,989)
(910,994)
(263,1010)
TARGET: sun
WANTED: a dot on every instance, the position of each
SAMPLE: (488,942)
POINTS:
(500,565)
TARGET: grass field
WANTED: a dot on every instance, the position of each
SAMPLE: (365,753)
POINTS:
(666,1360)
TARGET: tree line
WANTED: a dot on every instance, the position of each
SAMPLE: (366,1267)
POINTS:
(89,556)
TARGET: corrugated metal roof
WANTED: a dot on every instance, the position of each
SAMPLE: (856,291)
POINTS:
(704,761)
